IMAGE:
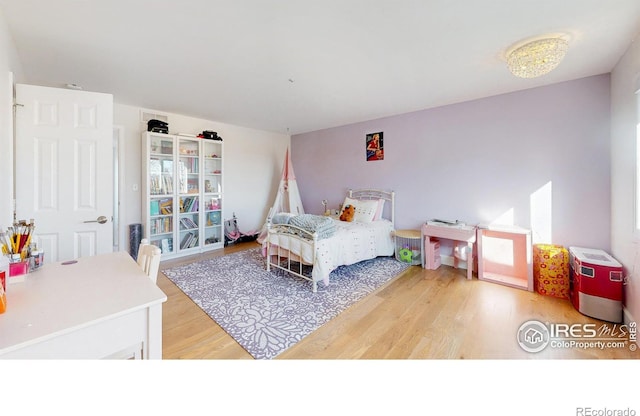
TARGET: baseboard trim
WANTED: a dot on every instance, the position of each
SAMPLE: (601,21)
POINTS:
(449,261)
(627,317)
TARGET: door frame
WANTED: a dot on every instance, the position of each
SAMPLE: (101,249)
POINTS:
(119,236)
(7,159)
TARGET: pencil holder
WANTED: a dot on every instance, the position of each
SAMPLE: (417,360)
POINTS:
(18,268)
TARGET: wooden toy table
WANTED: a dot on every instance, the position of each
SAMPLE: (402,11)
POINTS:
(455,232)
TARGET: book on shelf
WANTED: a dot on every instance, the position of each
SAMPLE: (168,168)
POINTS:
(154,208)
(167,183)
(167,225)
(187,223)
(194,204)
(166,206)
(166,245)
(189,204)
(154,185)
(160,226)
(189,240)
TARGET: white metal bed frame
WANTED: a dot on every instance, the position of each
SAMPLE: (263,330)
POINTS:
(293,263)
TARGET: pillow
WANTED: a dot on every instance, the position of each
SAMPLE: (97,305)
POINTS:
(378,215)
(365,209)
(281,218)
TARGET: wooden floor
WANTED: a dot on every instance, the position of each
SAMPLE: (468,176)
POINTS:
(421,314)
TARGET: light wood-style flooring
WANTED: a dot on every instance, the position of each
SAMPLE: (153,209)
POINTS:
(421,314)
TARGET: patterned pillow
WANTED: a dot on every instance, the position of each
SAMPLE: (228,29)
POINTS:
(365,209)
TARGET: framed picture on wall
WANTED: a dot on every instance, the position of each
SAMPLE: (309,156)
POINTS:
(375,146)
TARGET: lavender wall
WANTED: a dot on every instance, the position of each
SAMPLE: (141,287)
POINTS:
(538,158)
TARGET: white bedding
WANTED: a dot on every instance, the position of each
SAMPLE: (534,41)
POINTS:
(352,243)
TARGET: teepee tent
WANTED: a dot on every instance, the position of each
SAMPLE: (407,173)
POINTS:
(288,196)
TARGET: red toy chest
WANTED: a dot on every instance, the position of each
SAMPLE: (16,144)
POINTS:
(595,283)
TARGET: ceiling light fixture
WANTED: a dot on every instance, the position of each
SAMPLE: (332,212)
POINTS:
(537,58)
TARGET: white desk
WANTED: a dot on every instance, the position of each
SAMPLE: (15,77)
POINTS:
(100,307)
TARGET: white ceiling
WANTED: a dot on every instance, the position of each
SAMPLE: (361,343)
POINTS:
(298,65)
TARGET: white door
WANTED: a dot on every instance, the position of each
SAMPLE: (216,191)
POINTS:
(64,170)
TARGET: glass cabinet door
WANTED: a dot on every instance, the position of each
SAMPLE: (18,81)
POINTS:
(188,190)
(161,186)
(212,175)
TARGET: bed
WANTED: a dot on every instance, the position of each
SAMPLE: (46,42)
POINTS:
(313,253)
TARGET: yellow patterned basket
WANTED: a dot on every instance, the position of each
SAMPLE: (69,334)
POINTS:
(551,270)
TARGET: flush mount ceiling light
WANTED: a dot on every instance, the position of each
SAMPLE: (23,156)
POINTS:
(73,87)
(537,58)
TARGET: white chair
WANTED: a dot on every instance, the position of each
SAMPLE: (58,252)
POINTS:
(143,242)
(149,259)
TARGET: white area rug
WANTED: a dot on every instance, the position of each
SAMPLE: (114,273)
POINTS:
(268,312)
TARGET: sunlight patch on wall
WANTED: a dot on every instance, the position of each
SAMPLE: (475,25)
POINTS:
(541,209)
(498,251)
(507,218)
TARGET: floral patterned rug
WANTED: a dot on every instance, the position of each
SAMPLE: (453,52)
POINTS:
(268,312)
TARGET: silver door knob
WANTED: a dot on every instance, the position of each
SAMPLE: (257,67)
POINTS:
(100,220)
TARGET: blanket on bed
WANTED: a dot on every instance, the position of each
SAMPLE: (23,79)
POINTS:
(324,226)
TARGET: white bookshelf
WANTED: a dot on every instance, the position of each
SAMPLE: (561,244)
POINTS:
(182,193)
